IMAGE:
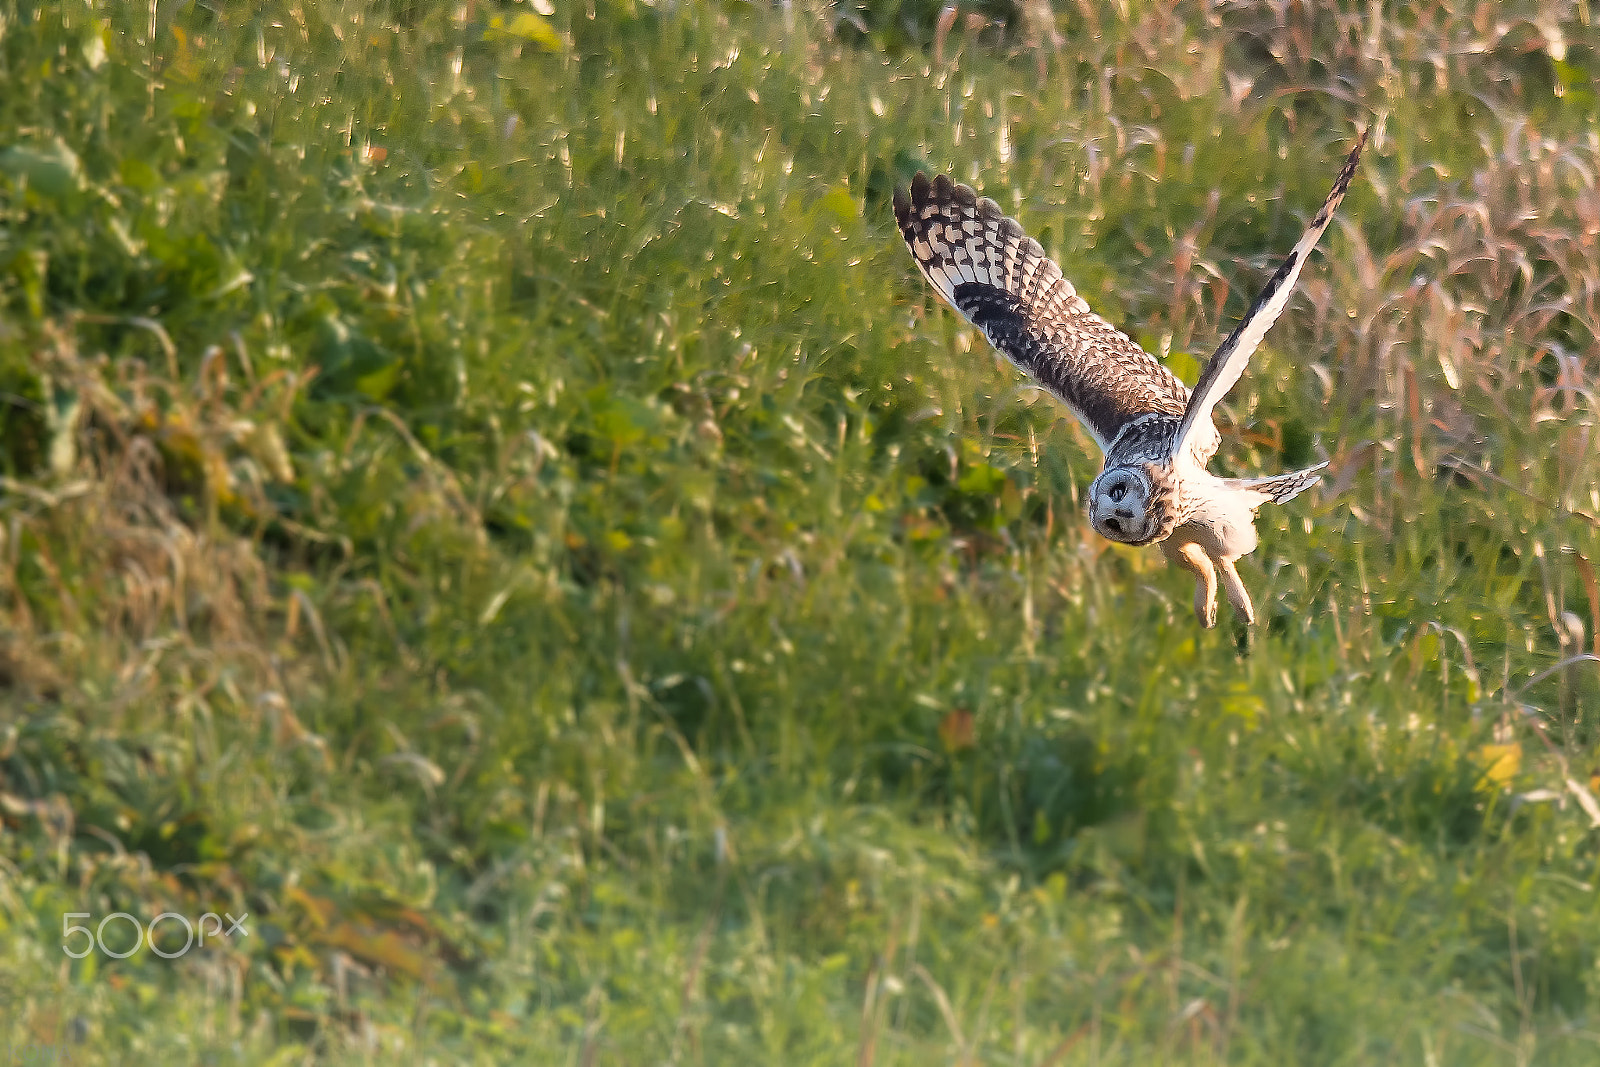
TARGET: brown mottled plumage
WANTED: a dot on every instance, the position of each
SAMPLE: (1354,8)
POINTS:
(1000,279)
(1157,437)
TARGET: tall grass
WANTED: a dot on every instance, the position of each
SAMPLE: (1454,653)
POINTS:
(487,495)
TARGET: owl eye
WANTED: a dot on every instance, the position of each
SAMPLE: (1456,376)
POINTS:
(1118,491)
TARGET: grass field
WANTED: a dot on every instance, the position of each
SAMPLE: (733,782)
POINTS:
(487,494)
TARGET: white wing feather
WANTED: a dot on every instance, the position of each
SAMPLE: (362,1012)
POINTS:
(1229,361)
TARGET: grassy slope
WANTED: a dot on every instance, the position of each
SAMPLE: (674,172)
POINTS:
(577,667)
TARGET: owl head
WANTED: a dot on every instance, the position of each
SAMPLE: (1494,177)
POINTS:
(1133,503)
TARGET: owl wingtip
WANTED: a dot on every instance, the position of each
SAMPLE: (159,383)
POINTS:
(919,189)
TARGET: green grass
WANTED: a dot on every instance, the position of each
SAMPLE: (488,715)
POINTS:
(488,496)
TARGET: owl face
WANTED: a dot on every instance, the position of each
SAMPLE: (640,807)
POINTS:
(1124,505)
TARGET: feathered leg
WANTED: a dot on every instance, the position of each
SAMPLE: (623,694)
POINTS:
(1238,596)
(1191,557)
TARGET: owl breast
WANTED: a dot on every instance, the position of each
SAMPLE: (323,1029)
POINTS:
(1223,524)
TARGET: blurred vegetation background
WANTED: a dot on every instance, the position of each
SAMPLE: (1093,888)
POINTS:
(486,494)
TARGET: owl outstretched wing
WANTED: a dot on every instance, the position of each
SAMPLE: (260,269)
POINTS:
(1000,280)
(1228,363)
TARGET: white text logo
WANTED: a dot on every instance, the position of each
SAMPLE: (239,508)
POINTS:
(194,933)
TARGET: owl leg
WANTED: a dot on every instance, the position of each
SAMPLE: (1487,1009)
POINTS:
(1238,596)
(1191,557)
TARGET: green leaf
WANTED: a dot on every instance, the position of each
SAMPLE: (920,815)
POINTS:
(52,169)
(527,27)
(839,202)
(380,383)
(982,479)
(1185,366)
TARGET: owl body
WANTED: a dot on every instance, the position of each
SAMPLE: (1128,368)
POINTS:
(1157,436)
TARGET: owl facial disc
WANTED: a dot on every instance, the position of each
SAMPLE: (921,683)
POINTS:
(1123,506)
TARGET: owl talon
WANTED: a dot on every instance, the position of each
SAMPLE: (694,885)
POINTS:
(1191,557)
(1238,596)
(1205,603)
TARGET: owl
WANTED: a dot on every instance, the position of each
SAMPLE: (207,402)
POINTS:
(1157,436)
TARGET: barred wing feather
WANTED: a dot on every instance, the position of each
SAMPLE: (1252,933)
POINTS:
(1000,280)
(1229,361)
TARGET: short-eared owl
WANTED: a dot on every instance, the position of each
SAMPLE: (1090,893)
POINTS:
(1157,436)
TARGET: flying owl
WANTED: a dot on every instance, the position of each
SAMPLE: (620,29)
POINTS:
(1157,436)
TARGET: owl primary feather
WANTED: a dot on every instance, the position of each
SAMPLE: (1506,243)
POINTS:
(1157,436)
